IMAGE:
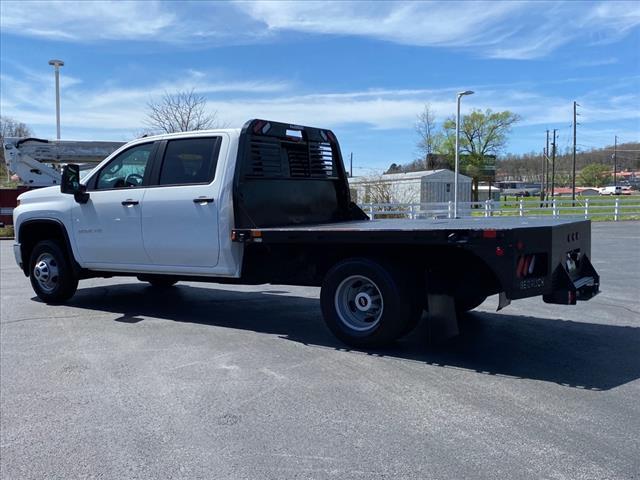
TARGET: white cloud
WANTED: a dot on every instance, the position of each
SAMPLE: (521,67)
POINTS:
(82,21)
(516,30)
(509,29)
(101,111)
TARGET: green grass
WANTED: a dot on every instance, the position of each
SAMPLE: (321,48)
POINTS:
(5,182)
(602,207)
(6,232)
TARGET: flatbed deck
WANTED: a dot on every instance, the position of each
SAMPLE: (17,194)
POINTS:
(401,224)
(399,230)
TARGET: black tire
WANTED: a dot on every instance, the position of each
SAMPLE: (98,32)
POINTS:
(50,272)
(398,309)
(158,281)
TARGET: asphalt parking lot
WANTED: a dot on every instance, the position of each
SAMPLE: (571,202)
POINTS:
(225,382)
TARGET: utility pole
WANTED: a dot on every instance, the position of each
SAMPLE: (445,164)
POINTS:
(351,165)
(546,159)
(56,64)
(553,165)
(573,175)
(615,162)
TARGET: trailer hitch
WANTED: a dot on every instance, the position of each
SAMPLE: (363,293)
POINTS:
(573,280)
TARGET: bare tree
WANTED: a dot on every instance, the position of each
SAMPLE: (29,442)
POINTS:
(10,128)
(429,138)
(182,111)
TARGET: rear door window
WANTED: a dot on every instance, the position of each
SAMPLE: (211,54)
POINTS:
(189,161)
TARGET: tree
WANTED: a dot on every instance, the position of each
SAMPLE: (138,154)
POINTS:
(483,136)
(10,128)
(594,175)
(429,138)
(182,111)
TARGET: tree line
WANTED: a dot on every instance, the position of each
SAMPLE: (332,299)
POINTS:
(528,166)
(483,138)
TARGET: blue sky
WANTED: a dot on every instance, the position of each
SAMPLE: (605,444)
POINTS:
(363,69)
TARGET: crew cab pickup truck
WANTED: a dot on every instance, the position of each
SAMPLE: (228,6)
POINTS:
(270,203)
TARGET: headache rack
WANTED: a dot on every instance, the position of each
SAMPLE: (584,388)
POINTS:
(289,175)
(289,151)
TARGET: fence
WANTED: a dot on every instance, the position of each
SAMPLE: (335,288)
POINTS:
(590,208)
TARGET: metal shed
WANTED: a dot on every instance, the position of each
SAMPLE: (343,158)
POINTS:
(426,186)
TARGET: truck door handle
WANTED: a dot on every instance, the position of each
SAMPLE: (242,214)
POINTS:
(203,200)
(129,202)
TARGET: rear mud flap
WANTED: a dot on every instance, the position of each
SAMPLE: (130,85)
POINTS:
(443,319)
(566,290)
(503,301)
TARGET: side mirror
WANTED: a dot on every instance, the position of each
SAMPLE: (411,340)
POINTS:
(71,185)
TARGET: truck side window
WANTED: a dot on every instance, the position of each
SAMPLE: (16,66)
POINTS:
(189,160)
(126,170)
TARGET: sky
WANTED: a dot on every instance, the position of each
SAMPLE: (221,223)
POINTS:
(363,69)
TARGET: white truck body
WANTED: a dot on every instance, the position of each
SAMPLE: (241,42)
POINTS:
(165,232)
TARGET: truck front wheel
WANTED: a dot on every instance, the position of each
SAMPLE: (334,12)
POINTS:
(50,272)
(366,304)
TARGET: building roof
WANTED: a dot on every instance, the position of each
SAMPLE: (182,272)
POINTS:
(394,177)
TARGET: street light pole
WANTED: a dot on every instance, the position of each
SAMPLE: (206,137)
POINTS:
(56,67)
(457,164)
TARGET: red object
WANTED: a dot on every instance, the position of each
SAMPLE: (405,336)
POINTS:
(499,251)
(519,268)
(258,126)
(489,234)
(9,201)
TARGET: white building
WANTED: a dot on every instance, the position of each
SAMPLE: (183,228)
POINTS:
(426,186)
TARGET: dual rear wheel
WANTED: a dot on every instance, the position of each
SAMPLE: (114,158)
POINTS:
(370,304)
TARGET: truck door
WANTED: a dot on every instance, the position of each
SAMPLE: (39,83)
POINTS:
(180,211)
(107,229)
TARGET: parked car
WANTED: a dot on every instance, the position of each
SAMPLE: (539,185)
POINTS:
(611,190)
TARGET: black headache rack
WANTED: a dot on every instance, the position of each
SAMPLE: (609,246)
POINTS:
(290,175)
(572,280)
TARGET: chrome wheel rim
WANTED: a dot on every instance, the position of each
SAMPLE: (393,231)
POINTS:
(45,271)
(358,302)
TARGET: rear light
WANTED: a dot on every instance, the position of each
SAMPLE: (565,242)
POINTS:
(499,251)
(258,125)
(489,234)
(533,265)
(261,127)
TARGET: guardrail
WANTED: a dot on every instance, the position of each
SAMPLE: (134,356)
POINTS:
(599,208)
